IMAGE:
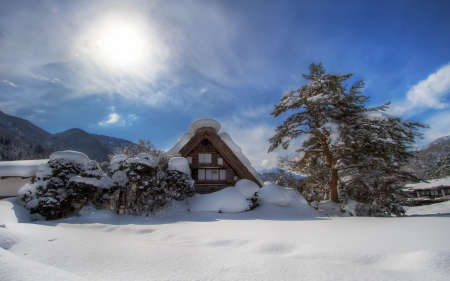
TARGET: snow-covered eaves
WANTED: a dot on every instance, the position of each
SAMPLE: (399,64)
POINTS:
(238,152)
(428,185)
(200,123)
(20,168)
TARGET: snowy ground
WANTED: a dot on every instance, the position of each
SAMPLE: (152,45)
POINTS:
(270,243)
(432,209)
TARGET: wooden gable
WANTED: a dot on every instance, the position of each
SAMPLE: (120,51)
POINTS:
(219,157)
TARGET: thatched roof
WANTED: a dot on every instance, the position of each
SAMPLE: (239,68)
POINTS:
(235,158)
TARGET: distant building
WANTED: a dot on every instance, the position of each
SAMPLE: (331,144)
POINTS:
(15,174)
(433,191)
(215,161)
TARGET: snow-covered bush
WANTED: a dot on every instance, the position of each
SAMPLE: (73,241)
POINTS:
(178,185)
(146,192)
(143,184)
(253,202)
(58,189)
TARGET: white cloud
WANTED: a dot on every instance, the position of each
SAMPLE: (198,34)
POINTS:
(432,91)
(9,83)
(438,128)
(113,119)
(253,139)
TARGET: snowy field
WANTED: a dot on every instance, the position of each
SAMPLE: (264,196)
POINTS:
(269,243)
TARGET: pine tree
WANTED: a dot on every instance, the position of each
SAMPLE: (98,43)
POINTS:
(347,141)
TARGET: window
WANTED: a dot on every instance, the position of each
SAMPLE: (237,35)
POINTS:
(204,158)
(201,174)
(189,160)
(215,175)
(223,175)
(219,161)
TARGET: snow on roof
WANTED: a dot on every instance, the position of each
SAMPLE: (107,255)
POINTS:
(21,168)
(204,123)
(182,141)
(431,184)
(238,152)
(74,156)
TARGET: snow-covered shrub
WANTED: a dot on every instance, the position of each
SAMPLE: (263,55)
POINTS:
(81,190)
(56,192)
(146,192)
(178,185)
(253,202)
(91,169)
(48,202)
(64,168)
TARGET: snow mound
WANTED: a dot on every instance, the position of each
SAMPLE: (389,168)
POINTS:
(74,156)
(332,209)
(274,194)
(180,164)
(13,213)
(437,208)
(227,200)
(247,188)
(204,123)
(22,168)
(118,158)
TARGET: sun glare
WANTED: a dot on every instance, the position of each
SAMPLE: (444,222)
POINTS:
(122,44)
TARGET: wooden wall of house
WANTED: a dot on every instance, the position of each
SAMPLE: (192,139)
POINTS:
(205,147)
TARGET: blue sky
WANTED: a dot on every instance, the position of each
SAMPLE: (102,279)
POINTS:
(147,69)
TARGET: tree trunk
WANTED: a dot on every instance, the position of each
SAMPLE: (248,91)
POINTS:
(333,186)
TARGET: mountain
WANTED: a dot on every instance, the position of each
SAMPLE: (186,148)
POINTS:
(271,174)
(22,140)
(433,161)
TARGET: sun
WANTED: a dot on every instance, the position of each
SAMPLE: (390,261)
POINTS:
(122,44)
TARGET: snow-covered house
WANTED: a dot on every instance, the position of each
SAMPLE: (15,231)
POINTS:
(434,189)
(215,161)
(15,174)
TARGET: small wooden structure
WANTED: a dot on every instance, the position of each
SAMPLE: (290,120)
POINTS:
(213,164)
(433,191)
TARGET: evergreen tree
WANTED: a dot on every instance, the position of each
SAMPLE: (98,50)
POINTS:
(348,142)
